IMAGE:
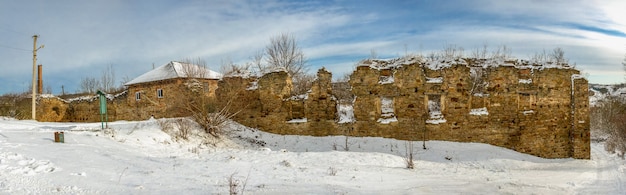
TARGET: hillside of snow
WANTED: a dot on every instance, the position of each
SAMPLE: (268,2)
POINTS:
(600,92)
(137,157)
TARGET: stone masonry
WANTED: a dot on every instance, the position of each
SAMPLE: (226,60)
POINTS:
(538,109)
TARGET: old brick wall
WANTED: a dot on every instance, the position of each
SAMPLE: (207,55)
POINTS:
(529,107)
(535,109)
(124,106)
(175,92)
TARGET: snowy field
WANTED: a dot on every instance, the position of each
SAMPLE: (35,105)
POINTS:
(137,157)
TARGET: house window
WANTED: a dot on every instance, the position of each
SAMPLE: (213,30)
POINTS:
(160,93)
(137,96)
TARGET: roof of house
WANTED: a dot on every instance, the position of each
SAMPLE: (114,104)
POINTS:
(173,70)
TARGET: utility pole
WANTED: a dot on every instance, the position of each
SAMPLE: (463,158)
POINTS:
(34,96)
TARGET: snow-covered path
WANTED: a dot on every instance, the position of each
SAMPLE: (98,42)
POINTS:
(609,173)
(138,158)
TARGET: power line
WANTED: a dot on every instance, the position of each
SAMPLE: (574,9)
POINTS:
(9,47)
(13,31)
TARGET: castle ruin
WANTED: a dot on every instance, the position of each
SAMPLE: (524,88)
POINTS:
(538,109)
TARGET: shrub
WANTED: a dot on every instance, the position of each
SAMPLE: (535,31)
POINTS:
(609,118)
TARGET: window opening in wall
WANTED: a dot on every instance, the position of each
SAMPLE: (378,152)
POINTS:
(434,110)
(137,96)
(478,80)
(387,114)
(526,103)
(386,77)
(478,105)
(160,93)
(205,86)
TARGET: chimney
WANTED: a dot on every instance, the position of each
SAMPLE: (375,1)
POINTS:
(39,81)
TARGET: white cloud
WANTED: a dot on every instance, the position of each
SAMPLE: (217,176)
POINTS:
(133,35)
(345,49)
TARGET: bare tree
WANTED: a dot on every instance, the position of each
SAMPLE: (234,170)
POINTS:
(609,116)
(539,57)
(284,52)
(89,85)
(478,80)
(501,53)
(195,102)
(480,72)
(480,53)
(452,51)
(257,62)
(124,80)
(48,89)
(373,54)
(558,56)
(9,105)
(229,68)
(194,68)
(302,84)
(448,52)
(107,79)
(408,155)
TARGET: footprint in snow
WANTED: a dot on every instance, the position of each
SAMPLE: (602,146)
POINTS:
(79,174)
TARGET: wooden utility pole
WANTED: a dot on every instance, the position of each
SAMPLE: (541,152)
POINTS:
(34,95)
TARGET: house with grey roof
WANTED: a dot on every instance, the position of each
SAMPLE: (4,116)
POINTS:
(158,92)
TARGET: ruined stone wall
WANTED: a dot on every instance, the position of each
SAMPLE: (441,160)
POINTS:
(87,109)
(529,108)
(125,106)
(535,109)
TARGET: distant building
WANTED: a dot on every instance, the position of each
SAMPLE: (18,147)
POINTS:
(154,93)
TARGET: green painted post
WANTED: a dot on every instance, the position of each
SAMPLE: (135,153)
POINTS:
(104,118)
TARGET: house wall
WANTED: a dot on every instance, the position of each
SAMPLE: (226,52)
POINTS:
(124,106)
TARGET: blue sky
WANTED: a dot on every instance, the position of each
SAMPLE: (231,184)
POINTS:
(81,38)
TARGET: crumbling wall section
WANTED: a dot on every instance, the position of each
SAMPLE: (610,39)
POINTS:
(537,109)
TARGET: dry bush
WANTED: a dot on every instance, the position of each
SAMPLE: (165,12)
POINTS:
(213,123)
(609,118)
(165,125)
(184,127)
(210,116)
(342,91)
(448,52)
(198,104)
(10,105)
(332,171)
(236,186)
(302,83)
(408,155)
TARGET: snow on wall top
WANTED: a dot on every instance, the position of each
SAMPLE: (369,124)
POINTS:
(441,63)
(89,98)
(173,70)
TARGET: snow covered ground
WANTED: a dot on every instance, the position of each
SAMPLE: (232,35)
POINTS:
(137,157)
